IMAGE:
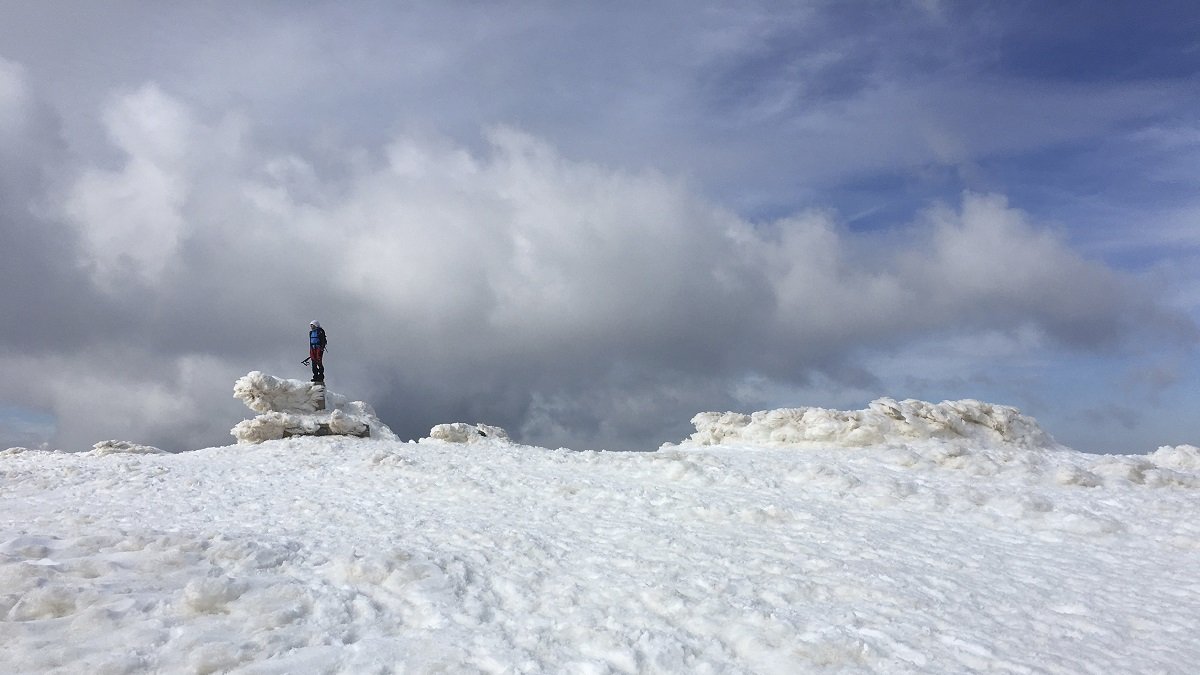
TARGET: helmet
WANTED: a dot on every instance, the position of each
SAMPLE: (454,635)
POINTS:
(314,323)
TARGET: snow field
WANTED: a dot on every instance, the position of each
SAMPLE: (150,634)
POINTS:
(346,555)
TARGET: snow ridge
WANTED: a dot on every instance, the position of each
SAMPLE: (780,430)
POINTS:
(968,436)
(884,421)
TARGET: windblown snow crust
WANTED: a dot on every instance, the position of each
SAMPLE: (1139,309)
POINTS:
(884,421)
(292,408)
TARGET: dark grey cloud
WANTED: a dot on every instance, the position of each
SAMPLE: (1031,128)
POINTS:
(37,268)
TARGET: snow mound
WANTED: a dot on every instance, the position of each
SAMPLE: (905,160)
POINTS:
(885,421)
(461,432)
(298,408)
(124,447)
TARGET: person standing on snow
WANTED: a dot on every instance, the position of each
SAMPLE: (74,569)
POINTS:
(316,350)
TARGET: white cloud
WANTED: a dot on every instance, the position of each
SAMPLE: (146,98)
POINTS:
(990,258)
(14,99)
(515,275)
(131,220)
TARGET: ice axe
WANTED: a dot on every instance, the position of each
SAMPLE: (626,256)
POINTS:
(305,361)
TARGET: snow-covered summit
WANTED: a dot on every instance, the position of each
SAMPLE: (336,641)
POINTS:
(466,552)
(884,421)
(299,408)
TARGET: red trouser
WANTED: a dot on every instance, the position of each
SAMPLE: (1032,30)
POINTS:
(315,353)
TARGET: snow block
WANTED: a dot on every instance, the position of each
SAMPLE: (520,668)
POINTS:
(298,408)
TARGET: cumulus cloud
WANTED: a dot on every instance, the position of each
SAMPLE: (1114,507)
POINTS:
(990,264)
(130,219)
(562,225)
(510,284)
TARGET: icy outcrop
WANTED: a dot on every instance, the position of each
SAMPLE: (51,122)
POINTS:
(884,421)
(124,447)
(460,432)
(299,408)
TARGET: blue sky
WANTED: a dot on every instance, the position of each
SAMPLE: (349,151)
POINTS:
(586,223)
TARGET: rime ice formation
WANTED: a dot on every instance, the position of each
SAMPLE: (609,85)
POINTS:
(264,393)
(968,436)
(1179,457)
(460,432)
(294,408)
(124,447)
(884,421)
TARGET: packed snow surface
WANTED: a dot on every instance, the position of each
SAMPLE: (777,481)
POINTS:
(467,553)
